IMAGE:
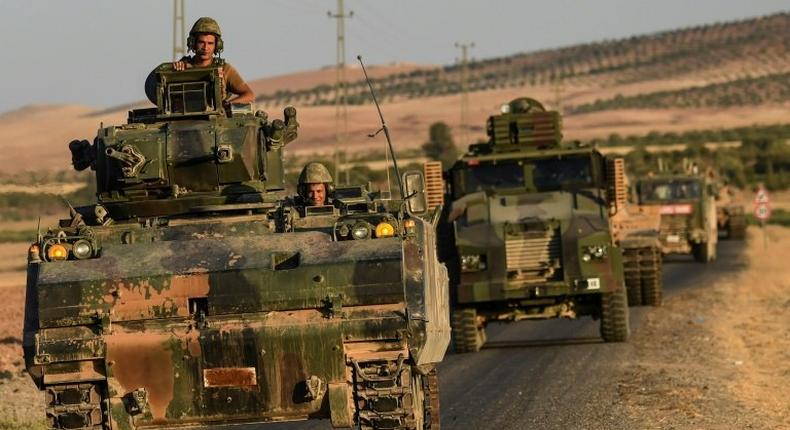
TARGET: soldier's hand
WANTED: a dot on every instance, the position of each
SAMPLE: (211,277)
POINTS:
(180,65)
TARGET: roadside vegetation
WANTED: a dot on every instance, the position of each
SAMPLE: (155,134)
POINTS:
(774,88)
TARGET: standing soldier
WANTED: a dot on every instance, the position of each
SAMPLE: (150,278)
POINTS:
(205,40)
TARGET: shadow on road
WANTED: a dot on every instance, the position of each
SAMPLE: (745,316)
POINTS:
(541,343)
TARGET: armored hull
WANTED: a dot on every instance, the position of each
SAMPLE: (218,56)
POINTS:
(530,230)
(193,293)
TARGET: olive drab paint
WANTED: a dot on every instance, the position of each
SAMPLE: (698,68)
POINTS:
(687,203)
(194,293)
(528,232)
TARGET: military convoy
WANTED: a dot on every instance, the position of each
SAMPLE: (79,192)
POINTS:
(528,230)
(194,293)
(686,202)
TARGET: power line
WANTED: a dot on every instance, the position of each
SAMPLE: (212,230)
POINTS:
(341,112)
(179,50)
(464,96)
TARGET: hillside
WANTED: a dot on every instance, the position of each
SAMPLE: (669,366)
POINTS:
(723,75)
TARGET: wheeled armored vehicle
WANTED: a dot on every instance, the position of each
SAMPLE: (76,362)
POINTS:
(528,229)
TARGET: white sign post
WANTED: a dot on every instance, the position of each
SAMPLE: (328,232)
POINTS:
(762,210)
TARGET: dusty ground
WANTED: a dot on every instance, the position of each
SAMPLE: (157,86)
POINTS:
(715,357)
(718,357)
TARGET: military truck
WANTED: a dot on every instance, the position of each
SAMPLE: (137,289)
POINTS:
(529,230)
(730,215)
(192,293)
(636,229)
(688,212)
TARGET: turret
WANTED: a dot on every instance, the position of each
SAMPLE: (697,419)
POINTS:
(191,153)
(523,124)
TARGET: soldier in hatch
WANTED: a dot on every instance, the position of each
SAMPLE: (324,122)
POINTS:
(205,40)
(315,185)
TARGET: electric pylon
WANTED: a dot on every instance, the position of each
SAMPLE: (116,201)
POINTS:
(179,50)
(464,96)
(341,112)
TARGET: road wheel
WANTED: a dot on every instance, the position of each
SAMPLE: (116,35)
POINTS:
(469,334)
(652,278)
(614,316)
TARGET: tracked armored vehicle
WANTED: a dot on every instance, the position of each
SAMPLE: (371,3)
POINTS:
(192,293)
(688,212)
(529,230)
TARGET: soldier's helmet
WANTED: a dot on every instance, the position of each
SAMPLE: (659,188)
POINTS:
(314,173)
(526,105)
(205,25)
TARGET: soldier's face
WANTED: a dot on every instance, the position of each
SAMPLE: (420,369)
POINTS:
(316,194)
(205,46)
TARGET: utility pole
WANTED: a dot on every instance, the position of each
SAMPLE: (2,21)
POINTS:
(558,88)
(341,112)
(464,97)
(179,50)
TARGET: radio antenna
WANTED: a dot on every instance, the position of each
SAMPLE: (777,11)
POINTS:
(383,128)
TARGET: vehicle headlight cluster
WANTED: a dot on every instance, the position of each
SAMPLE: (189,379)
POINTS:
(593,252)
(59,249)
(362,229)
(473,263)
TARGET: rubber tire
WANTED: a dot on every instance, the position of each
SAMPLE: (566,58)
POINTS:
(652,286)
(633,276)
(736,228)
(468,335)
(615,326)
(702,252)
(634,292)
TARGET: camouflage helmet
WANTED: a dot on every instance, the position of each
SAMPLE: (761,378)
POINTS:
(205,25)
(314,173)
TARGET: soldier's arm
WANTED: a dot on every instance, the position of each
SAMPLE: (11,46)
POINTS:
(236,85)
(245,94)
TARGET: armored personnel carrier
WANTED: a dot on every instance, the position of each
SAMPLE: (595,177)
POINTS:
(192,293)
(529,229)
(688,212)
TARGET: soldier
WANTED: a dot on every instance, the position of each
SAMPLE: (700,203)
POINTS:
(205,40)
(315,185)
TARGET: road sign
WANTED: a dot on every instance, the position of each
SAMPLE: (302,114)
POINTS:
(762,211)
(761,197)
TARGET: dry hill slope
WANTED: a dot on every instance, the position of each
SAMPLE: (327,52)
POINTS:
(675,68)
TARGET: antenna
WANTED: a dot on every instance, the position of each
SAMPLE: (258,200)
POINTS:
(464,96)
(179,50)
(341,111)
(383,128)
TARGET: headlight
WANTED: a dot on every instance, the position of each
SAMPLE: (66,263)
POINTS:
(360,231)
(472,263)
(597,252)
(57,252)
(385,229)
(82,249)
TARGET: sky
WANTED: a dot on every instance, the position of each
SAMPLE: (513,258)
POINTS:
(98,52)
